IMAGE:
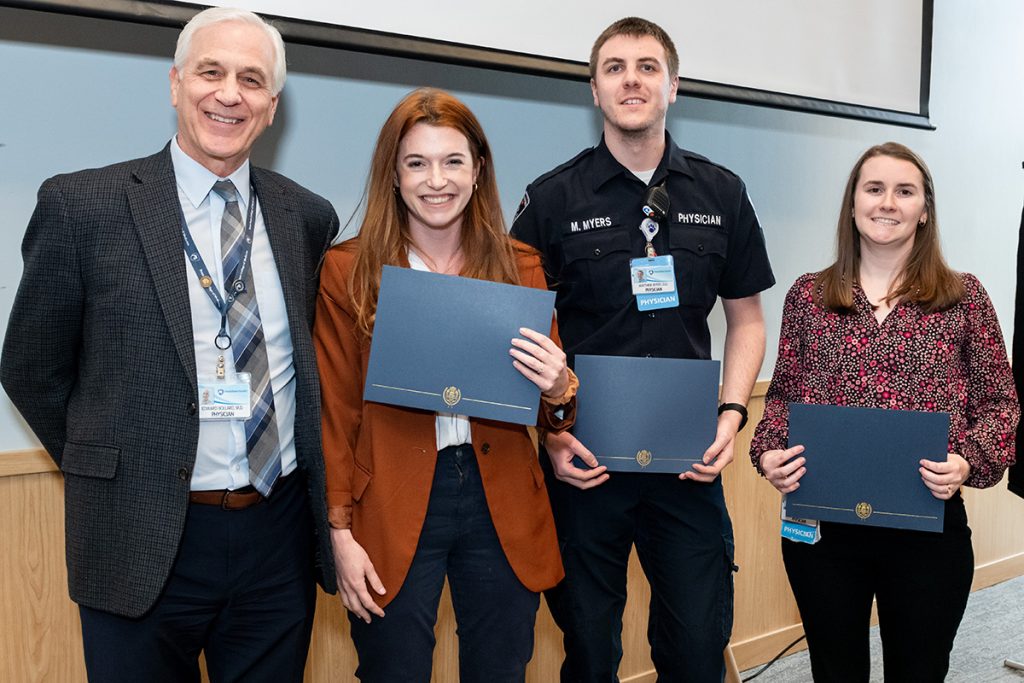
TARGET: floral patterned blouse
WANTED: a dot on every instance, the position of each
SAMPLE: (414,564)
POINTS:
(951,361)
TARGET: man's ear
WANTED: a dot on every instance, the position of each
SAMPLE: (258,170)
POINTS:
(175,82)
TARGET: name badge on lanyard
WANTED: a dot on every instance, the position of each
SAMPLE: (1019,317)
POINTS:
(226,395)
(225,399)
(653,278)
(654,282)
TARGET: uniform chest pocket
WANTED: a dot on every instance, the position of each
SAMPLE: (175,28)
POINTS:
(699,256)
(596,270)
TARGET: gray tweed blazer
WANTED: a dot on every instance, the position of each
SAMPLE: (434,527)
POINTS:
(99,359)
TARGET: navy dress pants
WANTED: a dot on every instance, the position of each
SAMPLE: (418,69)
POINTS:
(242,589)
(684,540)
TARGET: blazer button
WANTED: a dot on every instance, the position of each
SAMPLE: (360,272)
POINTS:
(597,252)
(485,448)
(700,247)
(191,408)
(183,474)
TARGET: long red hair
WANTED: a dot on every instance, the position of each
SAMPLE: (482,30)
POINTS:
(383,236)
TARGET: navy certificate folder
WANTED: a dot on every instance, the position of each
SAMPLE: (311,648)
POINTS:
(862,465)
(646,414)
(441,343)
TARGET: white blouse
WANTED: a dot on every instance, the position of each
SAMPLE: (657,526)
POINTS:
(451,429)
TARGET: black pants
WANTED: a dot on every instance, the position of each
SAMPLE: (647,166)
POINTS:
(242,590)
(684,540)
(494,611)
(921,581)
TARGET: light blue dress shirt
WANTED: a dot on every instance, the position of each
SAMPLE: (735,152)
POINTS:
(221,458)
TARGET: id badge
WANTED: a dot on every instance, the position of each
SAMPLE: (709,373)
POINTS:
(799,530)
(653,280)
(225,399)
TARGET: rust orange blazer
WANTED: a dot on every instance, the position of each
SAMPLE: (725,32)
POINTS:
(380,459)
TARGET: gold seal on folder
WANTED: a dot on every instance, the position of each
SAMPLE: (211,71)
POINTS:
(643,458)
(451,395)
(863,510)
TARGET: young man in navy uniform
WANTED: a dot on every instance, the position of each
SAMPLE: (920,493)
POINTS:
(586,217)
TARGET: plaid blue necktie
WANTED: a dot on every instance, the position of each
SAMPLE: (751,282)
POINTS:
(248,347)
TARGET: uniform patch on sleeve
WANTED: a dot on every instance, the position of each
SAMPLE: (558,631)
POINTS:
(525,202)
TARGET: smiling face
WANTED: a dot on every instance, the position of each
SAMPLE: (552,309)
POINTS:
(889,203)
(435,175)
(632,85)
(223,94)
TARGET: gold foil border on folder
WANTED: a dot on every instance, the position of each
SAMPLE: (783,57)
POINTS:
(633,458)
(854,511)
(440,395)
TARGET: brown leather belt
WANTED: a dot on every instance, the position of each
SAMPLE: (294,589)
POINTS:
(238,499)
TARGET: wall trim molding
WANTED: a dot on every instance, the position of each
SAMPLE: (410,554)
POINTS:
(27,461)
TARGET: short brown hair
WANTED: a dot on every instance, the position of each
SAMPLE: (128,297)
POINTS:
(636,27)
(925,278)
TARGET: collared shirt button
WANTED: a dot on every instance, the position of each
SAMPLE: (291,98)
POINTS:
(485,448)
(183,474)
(191,410)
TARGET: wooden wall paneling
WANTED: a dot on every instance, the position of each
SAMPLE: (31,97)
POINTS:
(29,461)
(42,638)
(996,517)
(764,602)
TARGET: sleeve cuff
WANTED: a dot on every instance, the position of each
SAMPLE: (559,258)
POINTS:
(570,391)
(340,517)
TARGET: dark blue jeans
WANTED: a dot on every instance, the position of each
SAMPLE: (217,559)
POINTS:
(683,537)
(495,613)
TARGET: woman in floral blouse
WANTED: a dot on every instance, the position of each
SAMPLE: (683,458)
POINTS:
(890,325)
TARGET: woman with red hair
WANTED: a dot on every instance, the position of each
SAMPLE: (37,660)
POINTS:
(415,496)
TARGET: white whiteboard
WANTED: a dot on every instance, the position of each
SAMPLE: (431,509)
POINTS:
(863,52)
(864,59)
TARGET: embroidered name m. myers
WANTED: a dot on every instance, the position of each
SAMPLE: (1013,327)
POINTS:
(590,224)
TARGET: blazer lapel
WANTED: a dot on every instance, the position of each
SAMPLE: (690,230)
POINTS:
(156,209)
(284,230)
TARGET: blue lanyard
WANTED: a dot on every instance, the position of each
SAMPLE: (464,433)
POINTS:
(233,288)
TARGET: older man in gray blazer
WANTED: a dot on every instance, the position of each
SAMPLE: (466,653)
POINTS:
(159,346)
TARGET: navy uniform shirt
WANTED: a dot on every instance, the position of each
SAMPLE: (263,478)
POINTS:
(584,218)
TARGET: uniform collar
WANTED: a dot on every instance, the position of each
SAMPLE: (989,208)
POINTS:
(196,181)
(608,167)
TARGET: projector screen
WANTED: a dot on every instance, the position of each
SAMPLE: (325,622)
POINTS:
(865,59)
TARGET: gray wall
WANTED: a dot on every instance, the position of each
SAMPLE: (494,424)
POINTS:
(81,93)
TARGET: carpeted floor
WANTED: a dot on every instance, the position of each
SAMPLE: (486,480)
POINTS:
(992,630)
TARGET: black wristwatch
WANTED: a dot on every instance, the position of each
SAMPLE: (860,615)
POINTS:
(739,408)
